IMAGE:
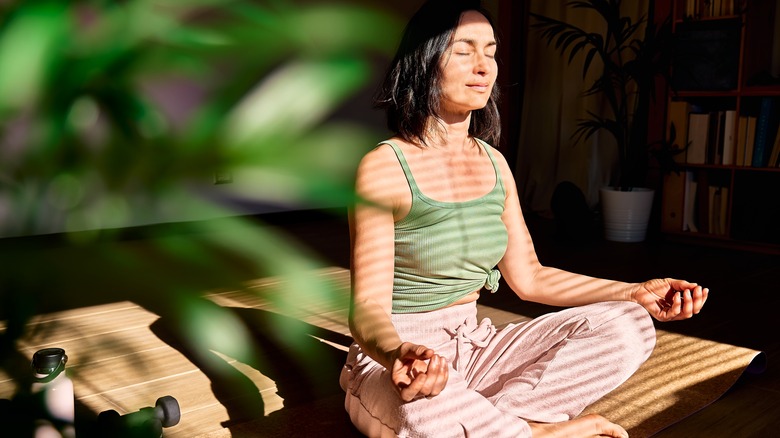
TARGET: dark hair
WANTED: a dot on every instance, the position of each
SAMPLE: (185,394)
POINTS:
(410,92)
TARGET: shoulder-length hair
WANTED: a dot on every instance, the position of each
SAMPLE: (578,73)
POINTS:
(410,93)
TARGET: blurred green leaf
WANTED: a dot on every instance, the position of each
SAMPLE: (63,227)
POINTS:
(30,47)
(118,113)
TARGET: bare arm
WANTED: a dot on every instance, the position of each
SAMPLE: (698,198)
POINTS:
(532,281)
(369,317)
(372,258)
(415,369)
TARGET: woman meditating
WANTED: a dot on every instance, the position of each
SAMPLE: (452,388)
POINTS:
(440,221)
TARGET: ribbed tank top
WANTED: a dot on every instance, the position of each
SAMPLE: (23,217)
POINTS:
(447,250)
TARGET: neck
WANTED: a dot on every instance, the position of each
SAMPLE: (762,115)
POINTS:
(451,132)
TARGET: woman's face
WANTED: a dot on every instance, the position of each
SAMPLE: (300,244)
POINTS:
(469,68)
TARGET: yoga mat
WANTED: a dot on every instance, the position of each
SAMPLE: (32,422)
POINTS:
(683,375)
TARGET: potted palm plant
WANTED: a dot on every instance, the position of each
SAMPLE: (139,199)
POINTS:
(632,53)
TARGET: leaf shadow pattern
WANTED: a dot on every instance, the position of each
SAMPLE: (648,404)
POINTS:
(288,351)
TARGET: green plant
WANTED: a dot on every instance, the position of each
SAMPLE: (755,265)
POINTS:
(632,53)
(89,147)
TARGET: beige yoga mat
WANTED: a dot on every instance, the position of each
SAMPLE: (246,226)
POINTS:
(682,376)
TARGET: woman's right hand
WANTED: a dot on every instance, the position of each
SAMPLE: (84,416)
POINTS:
(418,371)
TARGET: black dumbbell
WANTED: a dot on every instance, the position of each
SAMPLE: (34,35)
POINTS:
(146,423)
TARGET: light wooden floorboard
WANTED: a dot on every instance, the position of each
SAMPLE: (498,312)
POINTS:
(117,362)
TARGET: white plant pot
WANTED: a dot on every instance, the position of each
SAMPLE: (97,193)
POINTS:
(626,214)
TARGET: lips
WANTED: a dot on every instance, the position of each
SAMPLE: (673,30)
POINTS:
(479,87)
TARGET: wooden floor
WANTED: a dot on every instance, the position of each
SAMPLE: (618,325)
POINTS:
(742,311)
(123,357)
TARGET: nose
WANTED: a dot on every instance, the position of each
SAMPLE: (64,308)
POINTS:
(483,65)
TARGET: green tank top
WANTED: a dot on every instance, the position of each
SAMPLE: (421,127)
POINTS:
(447,250)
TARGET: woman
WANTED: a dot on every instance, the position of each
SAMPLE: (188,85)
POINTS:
(442,212)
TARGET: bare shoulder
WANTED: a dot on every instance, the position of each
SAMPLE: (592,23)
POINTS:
(380,162)
(500,159)
(382,154)
(380,177)
(503,166)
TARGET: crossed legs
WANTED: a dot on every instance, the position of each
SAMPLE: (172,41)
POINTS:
(545,370)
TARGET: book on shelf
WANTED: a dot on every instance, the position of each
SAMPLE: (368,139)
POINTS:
(709,8)
(774,157)
(713,203)
(704,204)
(707,136)
(729,140)
(739,160)
(673,201)
(698,131)
(766,128)
(714,146)
(689,203)
(718,209)
(678,122)
(750,134)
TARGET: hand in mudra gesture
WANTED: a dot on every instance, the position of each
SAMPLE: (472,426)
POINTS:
(418,372)
(668,299)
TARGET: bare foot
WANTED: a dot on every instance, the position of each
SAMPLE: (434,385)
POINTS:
(590,425)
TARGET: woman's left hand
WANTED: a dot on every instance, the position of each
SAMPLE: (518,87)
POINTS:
(668,299)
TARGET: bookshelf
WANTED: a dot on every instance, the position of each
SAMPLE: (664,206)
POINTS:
(724,102)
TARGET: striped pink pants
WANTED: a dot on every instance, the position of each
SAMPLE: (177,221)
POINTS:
(545,370)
